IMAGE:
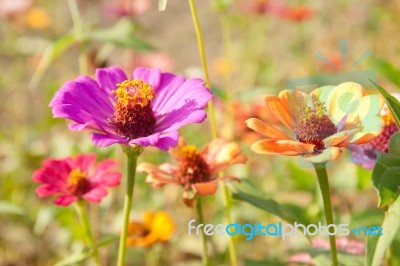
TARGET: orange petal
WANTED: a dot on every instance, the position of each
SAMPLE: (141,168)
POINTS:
(265,130)
(206,188)
(220,154)
(276,108)
(329,154)
(293,101)
(340,139)
(341,99)
(158,176)
(365,137)
(371,128)
(284,147)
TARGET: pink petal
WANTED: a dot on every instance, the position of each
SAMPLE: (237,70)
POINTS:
(65,200)
(95,195)
(46,190)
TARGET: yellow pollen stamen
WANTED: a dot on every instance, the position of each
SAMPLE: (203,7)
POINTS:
(76,176)
(388,119)
(135,92)
(188,151)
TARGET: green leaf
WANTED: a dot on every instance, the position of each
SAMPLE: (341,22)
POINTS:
(392,102)
(257,199)
(83,254)
(49,55)
(371,246)
(394,144)
(75,257)
(389,186)
(8,208)
(383,162)
(121,34)
(162,5)
(390,226)
(387,69)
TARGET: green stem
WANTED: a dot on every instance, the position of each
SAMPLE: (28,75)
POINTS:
(151,257)
(79,34)
(214,130)
(203,60)
(199,209)
(227,206)
(132,156)
(83,217)
(320,170)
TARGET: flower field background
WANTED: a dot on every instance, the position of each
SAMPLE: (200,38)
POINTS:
(253,48)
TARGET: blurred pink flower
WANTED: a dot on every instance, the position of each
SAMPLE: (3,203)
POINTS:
(12,8)
(74,178)
(125,8)
(343,244)
(159,60)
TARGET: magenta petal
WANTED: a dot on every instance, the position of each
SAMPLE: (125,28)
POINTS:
(109,77)
(151,76)
(83,119)
(95,195)
(84,93)
(179,118)
(168,140)
(65,200)
(175,95)
(45,190)
(106,140)
(146,141)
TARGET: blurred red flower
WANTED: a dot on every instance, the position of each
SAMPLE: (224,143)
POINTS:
(74,178)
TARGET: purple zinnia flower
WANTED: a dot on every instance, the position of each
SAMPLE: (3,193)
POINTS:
(146,110)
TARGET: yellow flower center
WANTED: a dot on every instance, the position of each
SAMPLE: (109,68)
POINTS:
(134,92)
(192,168)
(314,126)
(133,115)
(77,182)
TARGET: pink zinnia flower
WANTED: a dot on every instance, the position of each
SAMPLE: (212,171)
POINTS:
(74,178)
(195,170)
(146,109)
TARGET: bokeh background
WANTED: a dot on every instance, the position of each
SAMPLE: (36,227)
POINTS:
(251,51)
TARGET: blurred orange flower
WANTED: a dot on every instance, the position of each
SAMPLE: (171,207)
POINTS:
(37,18)
(296,13)
(242,112)
(321,123)
(156,227)
(195,170)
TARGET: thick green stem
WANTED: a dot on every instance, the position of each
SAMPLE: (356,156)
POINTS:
(199,209)
(132,156)
(83,217)
(320,170)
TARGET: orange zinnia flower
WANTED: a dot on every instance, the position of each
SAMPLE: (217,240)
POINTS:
(195,170)
(156,227)
(320,123)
